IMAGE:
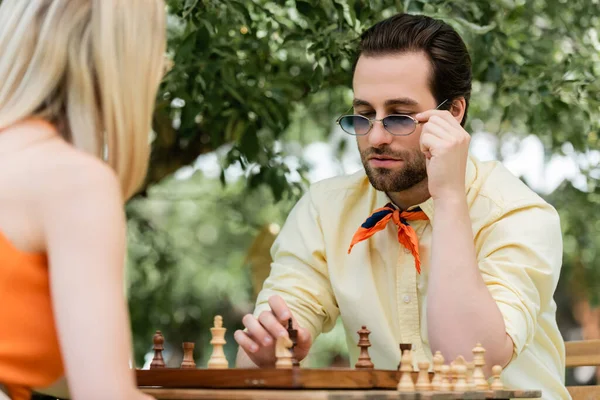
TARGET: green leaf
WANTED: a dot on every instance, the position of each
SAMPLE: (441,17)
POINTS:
(242,9)
(304,8)
(317,78)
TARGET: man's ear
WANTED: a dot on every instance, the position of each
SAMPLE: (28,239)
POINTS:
(458,108)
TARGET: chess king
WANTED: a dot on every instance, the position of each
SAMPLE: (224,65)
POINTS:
(427,245)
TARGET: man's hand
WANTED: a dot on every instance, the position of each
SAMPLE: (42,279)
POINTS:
(259,341)
(446,145)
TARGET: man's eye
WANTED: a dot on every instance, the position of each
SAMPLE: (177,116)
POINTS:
(368,114)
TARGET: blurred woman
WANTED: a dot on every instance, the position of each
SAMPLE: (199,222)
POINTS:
(78,81)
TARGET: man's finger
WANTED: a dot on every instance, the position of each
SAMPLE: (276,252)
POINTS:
(438,129)
(304,336)
(279,308)
(256,330)
(430,142)
(425,115)
(245,342)
(272,324)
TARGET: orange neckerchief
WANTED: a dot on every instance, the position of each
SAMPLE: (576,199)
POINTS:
(407,236)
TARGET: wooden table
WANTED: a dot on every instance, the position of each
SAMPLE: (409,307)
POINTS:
(292,394)
(296,384)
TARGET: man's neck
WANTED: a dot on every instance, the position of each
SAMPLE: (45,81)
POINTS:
(411,197)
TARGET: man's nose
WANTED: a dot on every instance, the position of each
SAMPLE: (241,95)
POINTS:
(379,136)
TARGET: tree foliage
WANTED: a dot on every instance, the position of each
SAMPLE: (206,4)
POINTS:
(188,262)
(241,69)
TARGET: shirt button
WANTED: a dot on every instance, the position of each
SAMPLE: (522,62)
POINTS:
(407,299)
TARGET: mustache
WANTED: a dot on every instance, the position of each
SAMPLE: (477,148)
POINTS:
(384,151)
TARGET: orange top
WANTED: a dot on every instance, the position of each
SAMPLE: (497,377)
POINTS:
(29,350)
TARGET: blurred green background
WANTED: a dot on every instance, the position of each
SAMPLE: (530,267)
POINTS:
(245,121)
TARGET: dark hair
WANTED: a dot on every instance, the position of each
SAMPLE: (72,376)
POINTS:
(450,60)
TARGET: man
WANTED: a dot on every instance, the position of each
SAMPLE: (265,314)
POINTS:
(427,245)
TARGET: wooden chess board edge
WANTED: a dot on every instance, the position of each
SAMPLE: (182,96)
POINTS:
(295,378)
(376,381)
(244,394)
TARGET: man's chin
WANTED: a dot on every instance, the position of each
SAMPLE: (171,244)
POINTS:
(389,182)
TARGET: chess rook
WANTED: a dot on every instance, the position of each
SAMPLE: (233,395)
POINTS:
(364,360)
(188,356)
(217,359)
(158,341)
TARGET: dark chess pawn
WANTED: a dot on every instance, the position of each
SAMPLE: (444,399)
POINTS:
(159,341)
(293,334)
(188,356)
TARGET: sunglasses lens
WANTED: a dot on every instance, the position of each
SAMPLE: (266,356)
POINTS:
(355,124)
(399,124)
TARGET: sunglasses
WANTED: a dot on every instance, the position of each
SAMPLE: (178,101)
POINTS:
(396,124)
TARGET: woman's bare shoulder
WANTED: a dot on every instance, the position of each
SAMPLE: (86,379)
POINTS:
(56,166)
(46,181)
(39,158)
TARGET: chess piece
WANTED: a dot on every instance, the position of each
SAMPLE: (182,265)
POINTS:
(445,386)
(364,360)
(283,353)
(470,380)
(293,334)
(497,383)
(159,341)
(423,384)
(438,361)
(406,384)
(460,360)
(452,374)
(479,361)
(403,346)
(217,359)
(460,384)
(188,356)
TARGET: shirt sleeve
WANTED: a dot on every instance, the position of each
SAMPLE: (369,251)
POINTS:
(520,261)
(299,271)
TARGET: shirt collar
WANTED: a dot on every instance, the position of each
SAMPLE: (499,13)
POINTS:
(427,206)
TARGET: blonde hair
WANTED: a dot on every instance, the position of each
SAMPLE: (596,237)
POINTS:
(90,67)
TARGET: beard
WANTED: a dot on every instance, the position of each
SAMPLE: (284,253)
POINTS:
(388,180)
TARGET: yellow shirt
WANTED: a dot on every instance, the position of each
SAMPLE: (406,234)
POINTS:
(519,252)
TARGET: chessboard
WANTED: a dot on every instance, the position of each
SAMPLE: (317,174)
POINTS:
(287,379)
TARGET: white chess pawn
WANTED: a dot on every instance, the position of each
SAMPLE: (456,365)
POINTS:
(283,353)
(460,385)
(497,383)
(217,359)
(438,361)
(406,384)
(423,384)
(445,385)
(470,380)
